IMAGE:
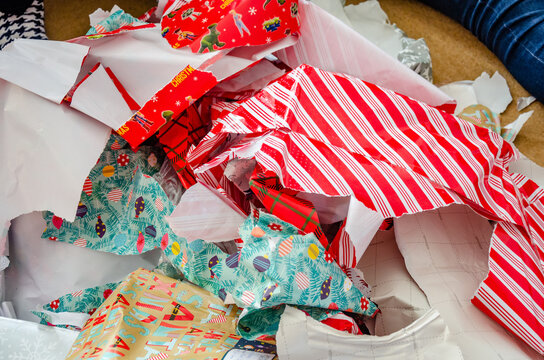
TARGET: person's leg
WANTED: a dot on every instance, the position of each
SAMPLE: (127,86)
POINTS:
(512,29)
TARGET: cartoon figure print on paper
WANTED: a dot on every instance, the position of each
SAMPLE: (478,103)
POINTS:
(239,23)
(211,39)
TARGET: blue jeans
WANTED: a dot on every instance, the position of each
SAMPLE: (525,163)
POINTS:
(512,29)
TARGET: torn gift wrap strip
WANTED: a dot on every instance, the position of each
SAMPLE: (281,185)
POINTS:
(334,135)
(103,22)
(239,23)
(62,311)
(81,301)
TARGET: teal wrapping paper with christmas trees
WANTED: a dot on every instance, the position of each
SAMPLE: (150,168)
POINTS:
(122,208)
(275,266)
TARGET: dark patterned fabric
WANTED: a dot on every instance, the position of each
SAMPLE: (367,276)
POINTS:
(28,25)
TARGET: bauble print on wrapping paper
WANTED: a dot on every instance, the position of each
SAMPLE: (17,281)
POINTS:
(349,137)
(120,206)
(260,279)
(259,267)
(271,273)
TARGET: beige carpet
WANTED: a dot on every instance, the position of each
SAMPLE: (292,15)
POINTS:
(456,53)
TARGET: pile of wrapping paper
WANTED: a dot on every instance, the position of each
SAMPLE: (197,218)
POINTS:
(252,180)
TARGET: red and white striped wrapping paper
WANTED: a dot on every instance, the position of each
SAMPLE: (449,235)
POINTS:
(335,135)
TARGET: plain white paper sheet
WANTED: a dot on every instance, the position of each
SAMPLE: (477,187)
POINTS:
(45,67)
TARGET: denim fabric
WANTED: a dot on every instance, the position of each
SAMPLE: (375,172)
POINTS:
(512,29)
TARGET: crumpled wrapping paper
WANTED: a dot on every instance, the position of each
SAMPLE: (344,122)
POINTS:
(335,135)
(152,316)
(123,210)
(416,55)
(301,337)
(369,20)
(275,266)
(106,21)
(211,26)
(121,205)
(80,301)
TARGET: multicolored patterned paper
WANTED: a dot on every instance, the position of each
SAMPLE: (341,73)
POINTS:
(282,203)
(167,104)
(121,208)
(151,316)
(482,116)
(114,21)
(278,265)
(212,25)
(114,32)
(121,214)
(178,135)
(81,301)
(275,266)
(335,135)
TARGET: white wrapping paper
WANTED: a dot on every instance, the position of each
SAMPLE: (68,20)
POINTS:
(41,270)
(446,252)
(301,337)
(46,151)
(47,68)
(30,341)
(329,44)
